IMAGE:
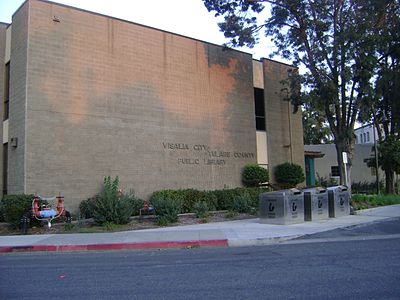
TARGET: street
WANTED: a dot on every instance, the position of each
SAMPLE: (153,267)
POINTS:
(360,263)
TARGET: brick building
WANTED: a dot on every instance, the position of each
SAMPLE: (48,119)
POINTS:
(87,96)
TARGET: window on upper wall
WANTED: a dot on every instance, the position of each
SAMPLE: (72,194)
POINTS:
(259,108)
(6,100)
(367,136)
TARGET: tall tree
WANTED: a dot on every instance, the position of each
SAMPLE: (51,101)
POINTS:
(332,39)
(315,129)
(384,108)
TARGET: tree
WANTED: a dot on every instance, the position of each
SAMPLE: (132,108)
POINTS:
(384,106)
(315,129)
(388,160)
(333,40)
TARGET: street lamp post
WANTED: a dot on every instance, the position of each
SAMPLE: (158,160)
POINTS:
(376,160)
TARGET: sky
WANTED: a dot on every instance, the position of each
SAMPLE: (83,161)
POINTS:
(185,17)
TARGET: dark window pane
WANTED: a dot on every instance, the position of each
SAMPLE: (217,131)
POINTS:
(335,171)
(259,108)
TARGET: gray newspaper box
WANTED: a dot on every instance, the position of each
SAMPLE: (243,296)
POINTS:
(316,204)
(282,207)
(338,201)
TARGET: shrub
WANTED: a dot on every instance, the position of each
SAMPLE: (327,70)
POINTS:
(111,205)
(167,205)
(86,208)
(288,175)
(241,203)
(200,209)
(14,207)
(1,213)
(253,175)
(136,204)
(226,197)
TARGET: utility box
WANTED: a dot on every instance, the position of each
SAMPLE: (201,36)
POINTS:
(282,207)
(338,200)
(316,204)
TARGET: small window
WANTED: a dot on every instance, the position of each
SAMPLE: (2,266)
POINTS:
(259,109)
(335,171)
(367,136)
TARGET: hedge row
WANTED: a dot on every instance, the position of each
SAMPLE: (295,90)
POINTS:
(166,202)
(215,200)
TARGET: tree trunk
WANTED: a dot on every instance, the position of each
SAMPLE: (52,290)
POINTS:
(389,182)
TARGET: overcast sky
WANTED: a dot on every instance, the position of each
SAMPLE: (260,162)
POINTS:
(186,17)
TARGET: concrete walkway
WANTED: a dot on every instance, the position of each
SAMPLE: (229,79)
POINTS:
(248,232)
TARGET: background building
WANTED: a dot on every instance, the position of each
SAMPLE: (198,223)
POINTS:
(88,96)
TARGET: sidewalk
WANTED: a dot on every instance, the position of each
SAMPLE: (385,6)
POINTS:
(223,234)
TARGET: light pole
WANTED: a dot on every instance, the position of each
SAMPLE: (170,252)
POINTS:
(376,159)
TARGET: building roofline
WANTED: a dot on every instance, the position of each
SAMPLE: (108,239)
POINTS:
(363,126)
(279,62)
(131,22)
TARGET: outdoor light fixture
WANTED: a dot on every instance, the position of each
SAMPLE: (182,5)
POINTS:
(56,19)
(14,142)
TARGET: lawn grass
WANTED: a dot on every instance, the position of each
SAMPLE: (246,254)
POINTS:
(359,201)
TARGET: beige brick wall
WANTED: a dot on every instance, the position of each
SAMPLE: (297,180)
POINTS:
(3,29)
(109,97)
(18,97)
(284,129)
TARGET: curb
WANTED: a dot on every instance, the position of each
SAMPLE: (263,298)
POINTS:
(114,247)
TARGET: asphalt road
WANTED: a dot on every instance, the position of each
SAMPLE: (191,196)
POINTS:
(356,263)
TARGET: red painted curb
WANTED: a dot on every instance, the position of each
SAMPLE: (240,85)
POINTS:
(116,246)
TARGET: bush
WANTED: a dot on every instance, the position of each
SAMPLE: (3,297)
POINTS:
(167,205)
(288,175)
(14,207)
(86,208)
(241,203)
(253,175)
(200,209)
(111,205)
(136,204)
(226,197)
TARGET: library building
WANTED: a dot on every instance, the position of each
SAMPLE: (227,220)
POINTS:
(87,96)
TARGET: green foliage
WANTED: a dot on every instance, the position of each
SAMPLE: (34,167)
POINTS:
(389,154)
(201,209)
(167,205)
(388,159)
(14,207)
(190,197)
(226,197)
(367,201)
(137,204)
(1,213)
(253,175)
(241,203)
(339,44)
(288,175)
(365,187)
(325,182)
(315,129)
(111,205)
(86,208)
